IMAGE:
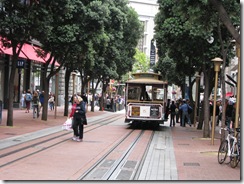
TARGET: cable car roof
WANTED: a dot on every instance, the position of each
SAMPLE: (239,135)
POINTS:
(146,78)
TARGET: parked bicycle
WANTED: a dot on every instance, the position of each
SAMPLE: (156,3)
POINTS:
(230,147)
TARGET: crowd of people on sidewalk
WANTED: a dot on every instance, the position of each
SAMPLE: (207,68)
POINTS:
(230,109)
(180,110)
(35,100)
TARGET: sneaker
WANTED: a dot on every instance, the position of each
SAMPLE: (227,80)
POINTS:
(74,138)
(78,140)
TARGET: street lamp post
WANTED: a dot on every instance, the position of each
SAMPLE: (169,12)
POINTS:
(196,97)
(217,62)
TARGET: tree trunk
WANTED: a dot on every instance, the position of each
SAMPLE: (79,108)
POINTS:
(192,104)
(11,91)
(46,96)
(93,96)
(66,97)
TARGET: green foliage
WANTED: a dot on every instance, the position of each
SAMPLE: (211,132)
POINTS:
(142,62)
(182,29)
(122,31)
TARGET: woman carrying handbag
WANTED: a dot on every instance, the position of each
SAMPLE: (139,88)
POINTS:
(79,118)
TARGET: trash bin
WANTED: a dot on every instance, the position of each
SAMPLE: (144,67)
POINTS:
(1,110)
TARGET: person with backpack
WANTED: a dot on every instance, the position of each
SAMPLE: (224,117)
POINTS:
(35,104)
(28,99)
(185,108)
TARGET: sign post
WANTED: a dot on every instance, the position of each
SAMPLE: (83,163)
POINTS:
(152,54)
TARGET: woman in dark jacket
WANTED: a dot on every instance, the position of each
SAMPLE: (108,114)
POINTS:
(79,119)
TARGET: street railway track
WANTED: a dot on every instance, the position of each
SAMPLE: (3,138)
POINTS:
(25,149)
(130,153)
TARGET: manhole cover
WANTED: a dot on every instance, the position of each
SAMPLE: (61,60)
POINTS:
(191,164)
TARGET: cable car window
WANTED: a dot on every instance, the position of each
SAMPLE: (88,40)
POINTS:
(134,92)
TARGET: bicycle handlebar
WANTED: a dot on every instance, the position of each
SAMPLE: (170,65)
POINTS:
(229,130)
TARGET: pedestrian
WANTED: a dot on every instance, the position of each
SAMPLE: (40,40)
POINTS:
(79,119)
(72,99)
(167,110)
(172,113)
(35,104)
(184,108)
(23,100)
(28,99)
(228,113)
(216,114)
(177,112)
(51,101)
(219,116)
(180,111)
(41,98)
(108,102)
(233,116)
(73,108)
(85,100)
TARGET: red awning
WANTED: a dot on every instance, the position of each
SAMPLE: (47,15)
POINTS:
(27,52)
(9,51)
(30,53)
(47,56)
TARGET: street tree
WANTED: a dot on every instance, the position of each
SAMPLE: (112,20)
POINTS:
(16,28)
(191,29)
(57,32)
(122,31)
(142,62)
(222,21)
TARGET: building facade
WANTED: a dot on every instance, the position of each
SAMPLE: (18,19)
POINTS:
(146,10)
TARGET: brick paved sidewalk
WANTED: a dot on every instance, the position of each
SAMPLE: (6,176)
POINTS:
(197,158)
(24,123)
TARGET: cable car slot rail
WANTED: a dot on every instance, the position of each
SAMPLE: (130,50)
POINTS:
(124,160)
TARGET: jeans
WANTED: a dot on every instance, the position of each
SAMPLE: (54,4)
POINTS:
(51,105)
(228,121)
(78,127)
(35,111)
(172,119)
(185,115)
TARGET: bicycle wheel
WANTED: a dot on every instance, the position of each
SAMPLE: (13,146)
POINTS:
(235,156)
(222,153)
